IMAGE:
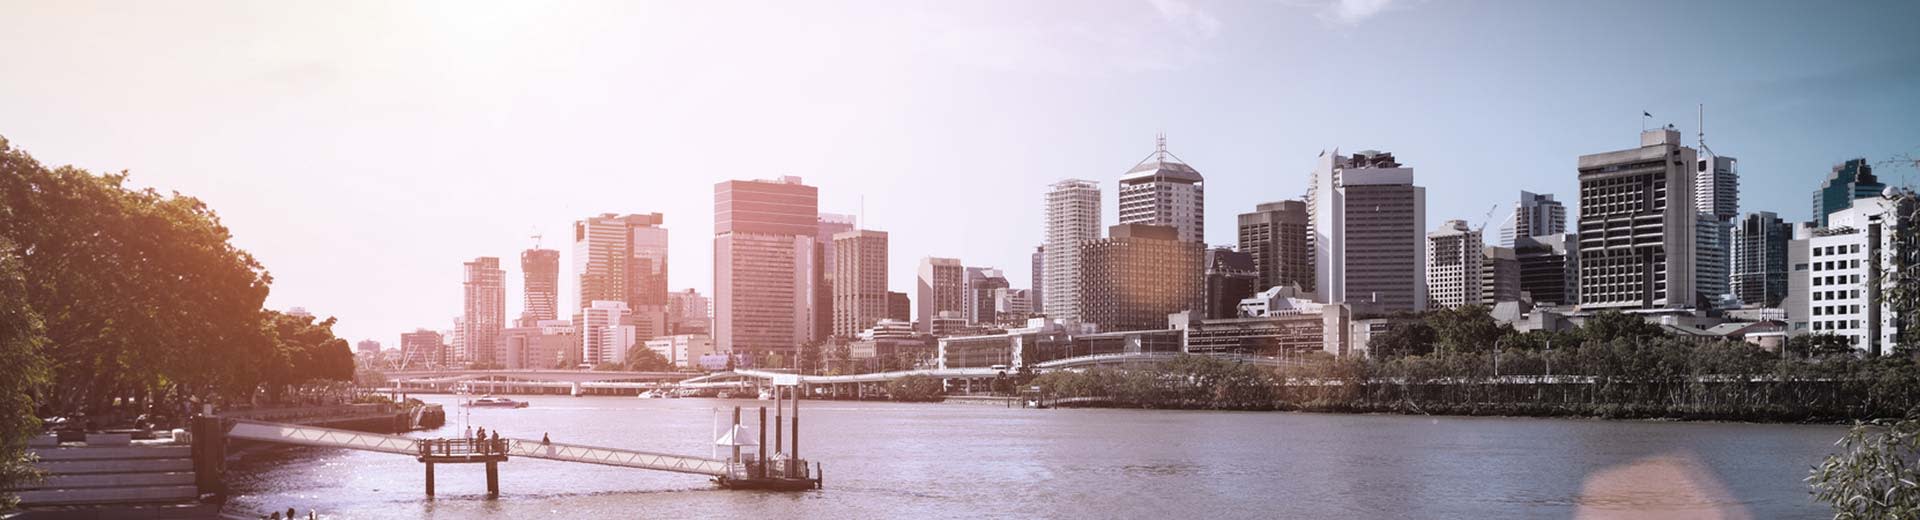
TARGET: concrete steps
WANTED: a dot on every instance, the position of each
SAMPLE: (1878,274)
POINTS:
(112,477)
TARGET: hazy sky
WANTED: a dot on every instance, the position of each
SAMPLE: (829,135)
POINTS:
(363,150)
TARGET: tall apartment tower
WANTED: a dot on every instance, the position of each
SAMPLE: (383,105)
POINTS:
(540,286)
(1369,232)
(485,310)
(859,281)
(1759,259)
(1847,182)
(1534,215)
(1073,216)
(621,258)
(938,290)
(1276,235)
(1454,256)
(1038,291)
(1716,202)
(764,277)
(831,224)
(1637,225)
(1162,190)
(1138,275)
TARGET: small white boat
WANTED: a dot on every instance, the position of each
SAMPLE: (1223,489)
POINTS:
(494,402)
(725,394)
(766,395)
(651,394)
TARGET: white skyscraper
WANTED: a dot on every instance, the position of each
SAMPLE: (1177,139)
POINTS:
(1534,215)
(605,333)
(1073,215)
(1164,191)
(1454,256)
(1368,222)
(1716,199)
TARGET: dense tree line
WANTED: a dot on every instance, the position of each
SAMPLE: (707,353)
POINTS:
(115,300)
(1461,361)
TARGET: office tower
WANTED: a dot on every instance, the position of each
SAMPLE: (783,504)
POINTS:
(1716,202)
(1499,276)
(1454,256)
(1536,214)
(1163,190)
(1231,276)
(1759,259)
(764,278)
(540,286)
(547,344)
(1848,181)
(899,307)
(605,332)
(689,312)
(1038,291)
(1277,236)
(1548,272)
(1073,216)
(1139,274)
(859,281)
(1848,262)
(977,285)
(830,224)
(621,258)
(485,309)
(421,349)
(938,290)
(367,347)
(1369,232)
(1637,225)
(1012,305)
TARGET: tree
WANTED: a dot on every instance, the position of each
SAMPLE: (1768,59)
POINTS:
(1469,328)
(1610,325)
(26,374)
(1876,473)
(646,360)
(1819,346)
(1404,337)
(915,389)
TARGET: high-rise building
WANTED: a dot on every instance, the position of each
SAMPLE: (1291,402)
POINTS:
(938,290)
(1848,261)
(1637,225)
(1231,276)
(421,349)
(1548,272)
(899,307)
(1368,221)
(1138,275)
(830,224)
(605,332)
(1038,291)
(1536,214)
(859,281)
(689,312)
(1073,216)
(1454,255)
(367,347)
(1499,276)
(548,344)
(1163,190)
(485,310)
(1276,235)
(764,276)
(1760,259)
(1716,202)
(621,258)
(540,286)
(977,286)
(1012,305)
(1848,181)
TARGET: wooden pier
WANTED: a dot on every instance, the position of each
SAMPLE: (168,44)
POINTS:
(491,452)
(785,470)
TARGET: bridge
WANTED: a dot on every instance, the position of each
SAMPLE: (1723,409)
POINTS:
(574,382)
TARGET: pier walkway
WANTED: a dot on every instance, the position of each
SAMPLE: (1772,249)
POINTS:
(533,449)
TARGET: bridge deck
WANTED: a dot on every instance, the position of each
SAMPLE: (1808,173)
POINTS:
(335,438)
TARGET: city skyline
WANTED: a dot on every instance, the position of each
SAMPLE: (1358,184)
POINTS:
(371,191)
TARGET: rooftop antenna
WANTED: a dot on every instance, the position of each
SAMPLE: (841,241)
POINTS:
(536,239)
(1160,145)
(1703,130)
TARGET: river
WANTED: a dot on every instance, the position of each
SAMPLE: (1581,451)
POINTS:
(891,460)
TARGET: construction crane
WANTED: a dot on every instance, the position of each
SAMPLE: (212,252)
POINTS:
(1483,220)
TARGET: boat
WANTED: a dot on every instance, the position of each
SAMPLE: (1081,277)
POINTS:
(495,402)
(651,394)
(766,395)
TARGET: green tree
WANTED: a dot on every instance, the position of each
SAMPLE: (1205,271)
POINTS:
(1876,474)
(1611,325)
(915,389)
(646,360)
(1469,328)
(26,374)
(1404,337)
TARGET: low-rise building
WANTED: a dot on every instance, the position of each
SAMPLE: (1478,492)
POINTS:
(548,344)
(683,350)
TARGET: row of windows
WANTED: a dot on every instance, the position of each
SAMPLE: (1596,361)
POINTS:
(1835,280)
(1831,310)
(1836,264)
(1836,250)
(1835,295)
(1838,325)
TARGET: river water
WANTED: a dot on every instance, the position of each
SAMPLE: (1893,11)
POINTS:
(890,460)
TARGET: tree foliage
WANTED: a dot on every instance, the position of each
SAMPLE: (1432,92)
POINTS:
(25,373)
(141,295)
(1875,475)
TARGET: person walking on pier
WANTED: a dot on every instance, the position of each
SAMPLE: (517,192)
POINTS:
(543,440)
(496,445)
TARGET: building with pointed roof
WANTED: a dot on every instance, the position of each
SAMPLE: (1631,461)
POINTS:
(1163,190)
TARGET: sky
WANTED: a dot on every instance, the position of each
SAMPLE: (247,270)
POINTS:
(363,150)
